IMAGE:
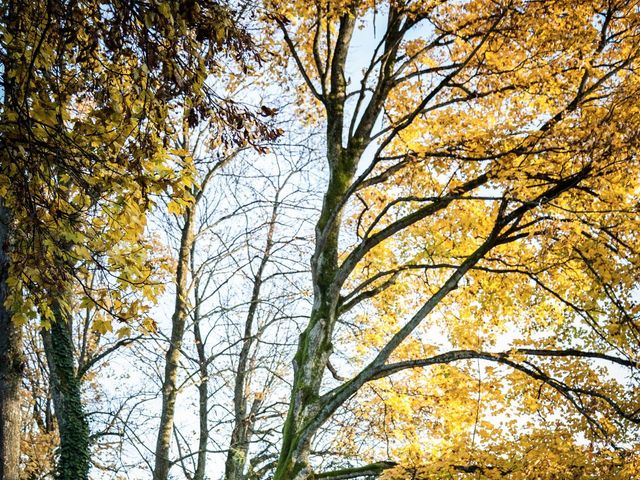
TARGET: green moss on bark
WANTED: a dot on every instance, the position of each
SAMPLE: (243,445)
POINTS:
(73,455)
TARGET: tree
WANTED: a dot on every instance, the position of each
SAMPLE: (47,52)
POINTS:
(89,93)
(471,309)
(82,351)
(268,318)
(11,367)
(201,142)
(184,286)
(534,456)
(481,168)
(236,314)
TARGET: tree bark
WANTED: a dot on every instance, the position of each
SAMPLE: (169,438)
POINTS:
(74,457)
(203,391)
(178,320)
(11,366)
(11,356)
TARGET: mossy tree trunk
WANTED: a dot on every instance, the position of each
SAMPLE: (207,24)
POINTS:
(314,346)
(346,141)
(74,456)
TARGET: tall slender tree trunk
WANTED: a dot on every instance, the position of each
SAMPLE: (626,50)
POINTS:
(11,366)
(178,320)
(203,390)
(74,457)
(11,356)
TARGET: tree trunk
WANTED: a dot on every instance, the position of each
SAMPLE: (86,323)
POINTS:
(74,456)
(11,356)
(203,392)
(314,346)
(313,352)
(11,366)
(178,320)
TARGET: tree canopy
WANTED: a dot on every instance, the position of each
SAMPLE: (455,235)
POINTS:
(462,175)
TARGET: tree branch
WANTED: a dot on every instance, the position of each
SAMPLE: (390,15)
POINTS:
(371,470)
